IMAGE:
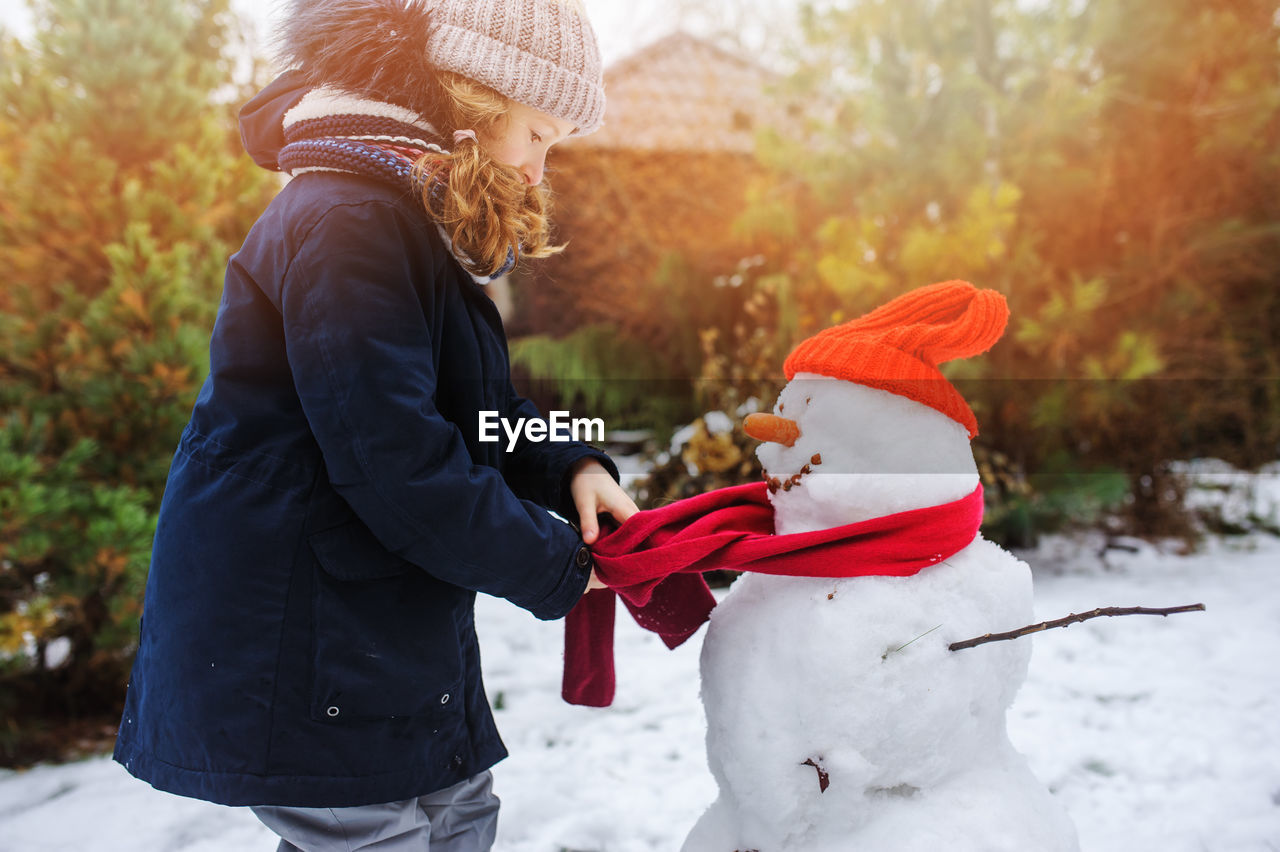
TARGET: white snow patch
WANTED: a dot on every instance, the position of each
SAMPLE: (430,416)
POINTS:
(717,422)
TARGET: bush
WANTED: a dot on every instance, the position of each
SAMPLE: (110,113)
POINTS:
(125,193)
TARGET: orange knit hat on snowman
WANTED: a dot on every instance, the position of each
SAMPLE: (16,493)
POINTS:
(898,346)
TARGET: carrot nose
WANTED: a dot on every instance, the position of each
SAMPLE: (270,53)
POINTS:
(771,427)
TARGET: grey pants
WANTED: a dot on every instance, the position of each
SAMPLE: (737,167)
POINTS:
(461,818)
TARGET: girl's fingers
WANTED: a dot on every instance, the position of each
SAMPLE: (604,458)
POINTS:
(620,506)
(617,508)
(600,495)
(587,523)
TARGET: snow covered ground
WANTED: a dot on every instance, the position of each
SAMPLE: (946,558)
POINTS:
(1156,733)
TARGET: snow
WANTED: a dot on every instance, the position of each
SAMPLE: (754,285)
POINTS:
(1155,733)
(1227,498)
(1174,731)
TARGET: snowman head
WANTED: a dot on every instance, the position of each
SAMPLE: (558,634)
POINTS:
(867,425)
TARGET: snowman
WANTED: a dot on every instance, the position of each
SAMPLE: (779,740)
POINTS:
(837,718)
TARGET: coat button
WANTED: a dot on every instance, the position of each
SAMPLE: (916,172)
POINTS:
(583,557)
(444,699)
(332,712)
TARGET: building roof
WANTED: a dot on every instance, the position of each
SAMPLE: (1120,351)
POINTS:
(683,93)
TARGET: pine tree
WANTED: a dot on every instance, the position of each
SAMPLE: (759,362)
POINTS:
(125,192)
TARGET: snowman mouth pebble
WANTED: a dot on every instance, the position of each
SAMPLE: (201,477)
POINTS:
(777,483)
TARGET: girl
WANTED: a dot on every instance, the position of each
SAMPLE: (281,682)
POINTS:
(308,645)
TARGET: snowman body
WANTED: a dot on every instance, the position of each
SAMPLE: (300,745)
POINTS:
(837,717)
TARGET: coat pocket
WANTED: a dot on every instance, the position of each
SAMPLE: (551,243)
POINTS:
(352,552)
(386,641)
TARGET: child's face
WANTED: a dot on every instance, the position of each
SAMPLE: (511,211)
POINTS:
(523,140)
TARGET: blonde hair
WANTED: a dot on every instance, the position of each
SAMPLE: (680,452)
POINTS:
(487,208)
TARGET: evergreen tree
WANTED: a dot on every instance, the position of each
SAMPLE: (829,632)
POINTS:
(126,191)
(1109,165)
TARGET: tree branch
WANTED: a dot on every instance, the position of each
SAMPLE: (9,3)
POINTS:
(1072,619)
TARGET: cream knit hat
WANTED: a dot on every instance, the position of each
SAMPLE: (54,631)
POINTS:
(541,53)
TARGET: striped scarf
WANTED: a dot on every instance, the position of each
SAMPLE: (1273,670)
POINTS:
(332,131)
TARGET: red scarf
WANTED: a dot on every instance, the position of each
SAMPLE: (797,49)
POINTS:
(655,561)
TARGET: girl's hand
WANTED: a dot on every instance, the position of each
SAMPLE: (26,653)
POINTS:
(594,492)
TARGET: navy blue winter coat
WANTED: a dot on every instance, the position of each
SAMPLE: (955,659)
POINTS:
(308,635)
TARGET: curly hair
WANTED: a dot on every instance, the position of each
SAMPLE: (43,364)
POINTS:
(488,207)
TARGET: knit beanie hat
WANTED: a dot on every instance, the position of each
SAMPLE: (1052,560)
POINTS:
(541,53)
(898,346)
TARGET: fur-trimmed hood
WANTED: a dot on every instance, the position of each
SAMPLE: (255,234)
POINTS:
(371,48)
